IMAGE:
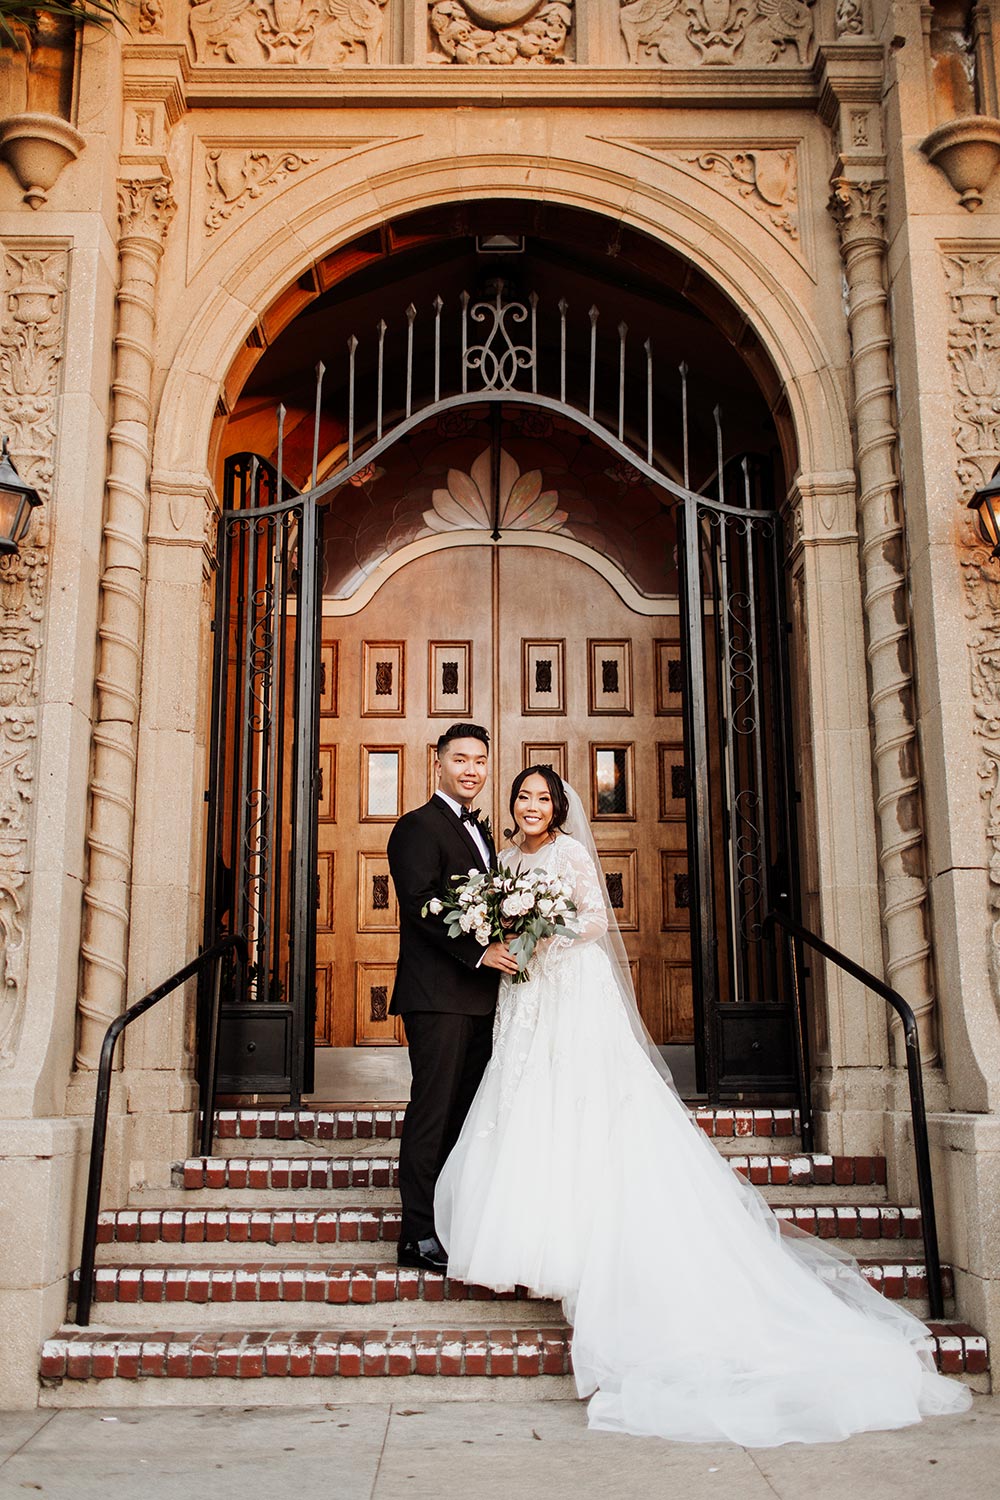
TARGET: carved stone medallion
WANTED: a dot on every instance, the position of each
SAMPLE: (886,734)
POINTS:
(501,33)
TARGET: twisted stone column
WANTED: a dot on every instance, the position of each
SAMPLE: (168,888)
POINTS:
(859,210)
(145,209)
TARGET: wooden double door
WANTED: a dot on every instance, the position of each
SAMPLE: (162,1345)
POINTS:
(565,664)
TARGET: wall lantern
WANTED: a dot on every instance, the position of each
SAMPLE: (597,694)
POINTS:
(986,504)
(17,501)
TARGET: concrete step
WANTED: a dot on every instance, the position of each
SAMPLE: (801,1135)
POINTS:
(120,1367)
(280,1287)
(877,1231)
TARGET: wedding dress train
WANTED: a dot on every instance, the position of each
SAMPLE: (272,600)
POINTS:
(580,1175)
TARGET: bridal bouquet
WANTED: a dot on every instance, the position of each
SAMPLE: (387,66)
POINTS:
(518,906)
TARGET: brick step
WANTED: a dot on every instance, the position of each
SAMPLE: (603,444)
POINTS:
(118,1367)
(290,1293)
(874,1230)
(365,1284)
(260,1173)
(269,1130)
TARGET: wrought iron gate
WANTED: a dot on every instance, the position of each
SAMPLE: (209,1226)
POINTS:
(263,791)
(261,873)
(741,793)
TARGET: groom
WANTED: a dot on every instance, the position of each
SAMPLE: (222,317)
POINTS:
(446,988)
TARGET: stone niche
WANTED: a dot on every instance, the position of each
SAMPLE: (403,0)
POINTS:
(500,33)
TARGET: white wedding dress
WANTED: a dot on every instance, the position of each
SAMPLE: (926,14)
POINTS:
(580,1175)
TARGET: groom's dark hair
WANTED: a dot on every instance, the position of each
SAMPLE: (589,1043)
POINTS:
(463,732)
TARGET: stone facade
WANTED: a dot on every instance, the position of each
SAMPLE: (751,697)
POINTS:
(221,151)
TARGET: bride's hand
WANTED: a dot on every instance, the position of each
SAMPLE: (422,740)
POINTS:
(499,956)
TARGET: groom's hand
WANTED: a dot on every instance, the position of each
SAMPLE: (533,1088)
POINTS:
(499,956)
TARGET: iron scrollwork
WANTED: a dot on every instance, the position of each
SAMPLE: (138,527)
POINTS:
(499,359)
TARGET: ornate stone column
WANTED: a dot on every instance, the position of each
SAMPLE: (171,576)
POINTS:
(859,207)
(145,209)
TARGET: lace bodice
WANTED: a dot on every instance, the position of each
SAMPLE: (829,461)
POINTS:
(567,858)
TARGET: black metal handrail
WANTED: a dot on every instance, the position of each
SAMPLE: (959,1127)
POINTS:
(213,955)
(915,1079)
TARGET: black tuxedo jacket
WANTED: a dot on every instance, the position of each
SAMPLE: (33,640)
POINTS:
(436,972)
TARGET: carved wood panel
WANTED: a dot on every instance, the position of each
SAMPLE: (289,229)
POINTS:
(541,659)
(423,615)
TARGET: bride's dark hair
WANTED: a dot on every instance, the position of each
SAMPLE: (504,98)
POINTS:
(560,801)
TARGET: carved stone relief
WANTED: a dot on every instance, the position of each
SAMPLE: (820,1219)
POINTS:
(236,177)
(31,344)
(974,357)
(150,17)
(313,33)
(499,32)
(746,33)
(850,18)
(766,179)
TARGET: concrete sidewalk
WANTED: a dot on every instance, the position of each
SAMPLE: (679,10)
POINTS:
(458,1450)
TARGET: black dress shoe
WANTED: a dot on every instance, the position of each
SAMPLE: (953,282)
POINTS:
(426,1255)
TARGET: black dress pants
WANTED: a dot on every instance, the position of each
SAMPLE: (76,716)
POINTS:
(448,1057)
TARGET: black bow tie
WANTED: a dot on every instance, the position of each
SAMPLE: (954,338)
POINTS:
(469,815)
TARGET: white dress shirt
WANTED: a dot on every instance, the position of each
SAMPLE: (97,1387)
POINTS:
(471,828)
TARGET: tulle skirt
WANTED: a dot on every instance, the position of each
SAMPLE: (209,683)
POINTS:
(580,1175)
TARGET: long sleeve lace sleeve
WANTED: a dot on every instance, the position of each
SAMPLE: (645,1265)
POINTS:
(591,920)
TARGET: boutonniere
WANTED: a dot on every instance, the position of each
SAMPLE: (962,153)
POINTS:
(486,826)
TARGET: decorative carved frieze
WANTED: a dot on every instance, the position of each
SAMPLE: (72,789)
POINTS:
(974,357)
(237,176)
(766,179)
(313,33)
(31,348)
(746,33)
(499,32)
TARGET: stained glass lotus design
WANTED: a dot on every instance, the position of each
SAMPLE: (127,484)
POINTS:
(466,505)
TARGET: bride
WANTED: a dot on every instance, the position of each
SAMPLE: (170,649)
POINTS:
(580,1175)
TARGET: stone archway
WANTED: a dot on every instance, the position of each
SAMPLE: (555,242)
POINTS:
(760,312)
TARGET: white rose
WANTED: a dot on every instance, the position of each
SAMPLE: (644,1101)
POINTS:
(466,921)
(527,902)
(545,905)
(511,906)
(435,905)
(483,936)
